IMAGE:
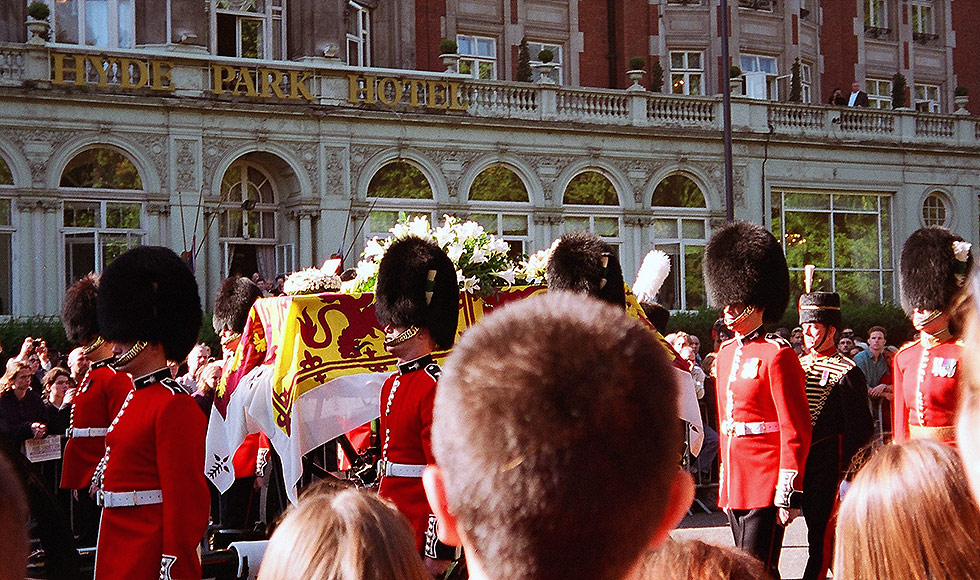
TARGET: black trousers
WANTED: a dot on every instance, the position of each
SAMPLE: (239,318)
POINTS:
(819,503)
(758,533)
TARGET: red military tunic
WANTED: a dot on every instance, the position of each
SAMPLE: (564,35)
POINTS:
(765,422)
(406,426)
(157,443)
(926,389)
(96,403)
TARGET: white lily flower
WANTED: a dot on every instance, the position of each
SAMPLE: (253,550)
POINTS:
(471,284)
(373,249)
(366,269)
(454,251)
(509,275)
(469,230)
(499,245)
(479,256)
(419,227)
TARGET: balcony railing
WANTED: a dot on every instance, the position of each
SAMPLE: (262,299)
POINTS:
(330,86)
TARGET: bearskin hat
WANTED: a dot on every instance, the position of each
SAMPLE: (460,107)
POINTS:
(822,307)
(403,282)
(149,293)
(582,262)
(931,271)
(234,300)
(745,263)
(78,310)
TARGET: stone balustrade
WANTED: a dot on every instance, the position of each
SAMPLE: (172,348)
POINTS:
(328,83)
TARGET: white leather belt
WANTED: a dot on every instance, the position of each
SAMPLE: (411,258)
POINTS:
(391,469)
(740,429)
(86,432)
(114,499)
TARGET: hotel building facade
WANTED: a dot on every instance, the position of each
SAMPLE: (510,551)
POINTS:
(268,135)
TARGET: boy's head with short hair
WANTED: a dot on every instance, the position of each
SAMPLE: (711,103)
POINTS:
(557,441)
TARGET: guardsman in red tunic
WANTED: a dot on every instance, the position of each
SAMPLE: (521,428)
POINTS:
(926,372)
(762,405)
(100,394)
(239,503)
(840,412)
(417,302)
(150,482)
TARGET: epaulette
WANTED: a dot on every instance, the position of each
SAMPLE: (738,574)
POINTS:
(173,386)
(434,371)
(778,340)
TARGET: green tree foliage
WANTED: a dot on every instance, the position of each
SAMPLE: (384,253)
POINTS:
(591,188)
(678,191)
(498,183)
(6,178)
(657,77)
(524,72)
(101,168)
(400,180)
(898,90)
(796,85)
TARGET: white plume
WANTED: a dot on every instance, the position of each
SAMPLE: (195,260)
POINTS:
(653,272)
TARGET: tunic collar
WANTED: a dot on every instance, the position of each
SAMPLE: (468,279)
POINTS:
(152,378)
(930,340)
(757,333)
(417,364)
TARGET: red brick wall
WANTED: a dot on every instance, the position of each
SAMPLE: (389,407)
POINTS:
(428,33)
(967,51)
(593,62)
(839,48)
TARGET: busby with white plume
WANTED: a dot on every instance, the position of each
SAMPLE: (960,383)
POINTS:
(822,307)
(651,276)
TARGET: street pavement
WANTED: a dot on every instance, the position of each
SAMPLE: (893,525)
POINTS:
(713,528)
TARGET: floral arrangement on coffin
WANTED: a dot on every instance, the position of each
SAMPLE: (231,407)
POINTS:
(533,270)
(313,280)
(480,258)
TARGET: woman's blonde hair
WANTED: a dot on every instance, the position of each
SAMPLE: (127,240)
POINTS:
(13,367)
(909,515)
(697,560)
(345,534)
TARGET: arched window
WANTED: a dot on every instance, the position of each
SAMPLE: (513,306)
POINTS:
(249,221)
(406,187)
(935,210)
(679,229)
(590,188)
(101,168)
(678,191)
(110,220)
(6,177)
(501,205)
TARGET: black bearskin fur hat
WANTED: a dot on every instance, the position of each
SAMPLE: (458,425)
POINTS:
(823,307)
(234,300)
(149,293)
(931,273)
(400,292)
(78,310)
(576,265)
(745,263)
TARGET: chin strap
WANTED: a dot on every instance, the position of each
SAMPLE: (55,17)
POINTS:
(130,354)
(745,314)
(935,314)
(231,338)
(99,341)
(406,334)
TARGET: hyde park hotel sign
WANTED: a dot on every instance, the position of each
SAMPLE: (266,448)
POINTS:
(116,73)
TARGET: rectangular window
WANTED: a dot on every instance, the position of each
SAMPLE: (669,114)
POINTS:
(285,259)
(478,56)
(6,257)
(922,19)
(687,72)
(96,232)
(535,48)
(102,23)
(927,98)
(683,239)
(875,16)
(358,35)
(879,93)
(756,4)
(511,228)
(806,82)
(760,73)
(847,236)
(248,28)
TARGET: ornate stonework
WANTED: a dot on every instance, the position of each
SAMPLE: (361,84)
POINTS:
(153,146)
(186,165)
(548,168)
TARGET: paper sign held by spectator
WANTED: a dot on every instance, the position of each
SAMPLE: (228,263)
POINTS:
(46,449)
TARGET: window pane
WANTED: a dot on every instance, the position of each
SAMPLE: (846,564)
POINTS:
(514,225)
(382,221)
(498,183)
(807,201)
(465,67)
(465,45)
(693,277)
(66,21)
(80,215)
(606,227)
(591,188)
(574,224)
(122,215)
(251,38)
(885,227)
(694,84)
(776,215)
(664,229)
(399,180)
(858,287)
(6,273)
(807,239)
(865,202)
(79,255)
(114,245)
(487,71)
(125,23)
(694,60)
(856,241)
(487,220)
(693,229)
(268,224)
(5,212)
(97,23)
(677,60)
(669,294)
(485,47)
(101,168)
(6,178)
(678,191)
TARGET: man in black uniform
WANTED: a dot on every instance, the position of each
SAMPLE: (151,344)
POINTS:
(841,418)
